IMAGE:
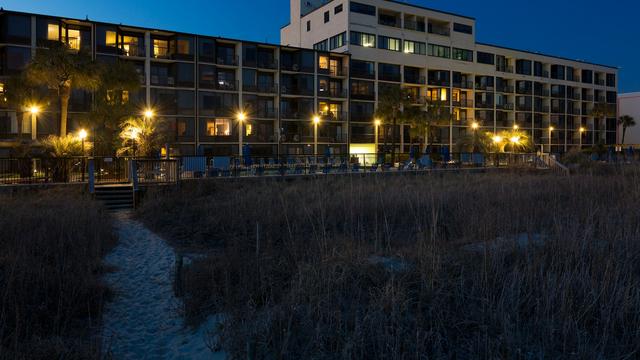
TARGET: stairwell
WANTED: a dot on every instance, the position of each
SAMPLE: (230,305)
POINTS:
(116,196)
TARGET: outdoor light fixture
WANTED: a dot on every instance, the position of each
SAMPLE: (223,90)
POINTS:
(241,116)
(475,126)
(148,113)
(316,120)
(497,139)
(582,129)
(515,139)
(34,110)
(82,134)
(516,127)
(377,122)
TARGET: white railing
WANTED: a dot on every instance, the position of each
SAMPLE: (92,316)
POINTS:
(552,163)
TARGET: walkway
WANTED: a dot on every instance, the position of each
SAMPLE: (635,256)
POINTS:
(144,320)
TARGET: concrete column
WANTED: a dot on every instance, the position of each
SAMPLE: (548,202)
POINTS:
(147,67)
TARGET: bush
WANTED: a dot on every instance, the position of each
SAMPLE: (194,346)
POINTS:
(51,247)
(433,266)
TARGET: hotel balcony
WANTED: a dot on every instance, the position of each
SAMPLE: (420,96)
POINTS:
(355,73)
(286,90)
(333,93)
(439,28)
(415,25)
(334,115)
(261,88)
(505,89)
(418,80)
(265,113)
(296,115)
(363,96)
(463,85)
(227,60)
(295,67)
(505,106)
(484,105)
(462,103)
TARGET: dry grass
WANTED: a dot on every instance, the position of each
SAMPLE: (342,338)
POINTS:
(51,245)
(292,265)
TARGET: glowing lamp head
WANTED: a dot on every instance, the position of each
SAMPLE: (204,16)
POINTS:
(316,120)
(582,129)
(148,113)
(516,127)
(515,139)
(241,116)
(497,139)
(134,133)
(82,134)
(377,122)
(34,110)
(475,126)
(551,128)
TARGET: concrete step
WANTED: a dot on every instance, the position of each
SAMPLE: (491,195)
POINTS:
(115,196)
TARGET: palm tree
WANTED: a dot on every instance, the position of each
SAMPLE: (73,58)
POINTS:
(626,122)
(392,102)
(113,104)
(60,69)
(63,146)
(142,136)
(20,94)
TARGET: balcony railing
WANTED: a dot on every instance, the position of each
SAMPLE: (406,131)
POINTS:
(505,69)
(230,60)
(261,88)
(296,115)
(438,82)
(420,80)
(389,77)
(557,110)
(271,64)
(439,30)
(227,85)
(265,113)
(484,105)
(505,106)
(361,96)
(334,115)
(588,98)
(286,90)
(463,103)
(333,93)
(361,117)
(297,68)
(463,85)
(355,73)
(417,100)
(484,87)
(389,21)
(415,25)
(600,82)
(505,89)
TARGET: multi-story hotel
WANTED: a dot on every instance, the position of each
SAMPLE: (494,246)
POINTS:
(196,83)
(435,54)
(334,58)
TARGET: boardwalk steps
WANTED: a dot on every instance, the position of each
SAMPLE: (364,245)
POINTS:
(116,196)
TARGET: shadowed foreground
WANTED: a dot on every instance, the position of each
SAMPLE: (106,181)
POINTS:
(442,266)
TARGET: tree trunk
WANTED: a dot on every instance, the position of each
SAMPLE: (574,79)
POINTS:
(65,95)
(425,143)
(624,133)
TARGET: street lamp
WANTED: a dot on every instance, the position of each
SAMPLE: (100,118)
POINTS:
(550,131)
(377,124)
(82,135)
(34,110)
(516,127)
(148,113)
(316,121)
(241,118)
(582,130)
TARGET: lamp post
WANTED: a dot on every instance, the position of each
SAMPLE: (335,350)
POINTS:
(241,118)
(377,123)
(516,127)
(582,130)
(550,131)
(133,135)
(34,110)
(316,121)
(474,127)
(82,135)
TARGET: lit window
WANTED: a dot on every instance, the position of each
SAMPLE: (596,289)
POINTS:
(130,45)
(53,32)
(248,130)
(181,128)
(110,38)
(323,62)
(183,46)
(334,66)
(160,48)
(219,127)
(73,39)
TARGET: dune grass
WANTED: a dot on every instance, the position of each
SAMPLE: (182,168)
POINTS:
(504,265)
(51,245)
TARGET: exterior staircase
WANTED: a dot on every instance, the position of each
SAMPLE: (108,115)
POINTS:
(116,196)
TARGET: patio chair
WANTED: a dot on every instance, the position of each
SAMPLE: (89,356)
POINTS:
(478,160)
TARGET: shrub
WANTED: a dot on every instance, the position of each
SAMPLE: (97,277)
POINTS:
(434,266)
(51,247)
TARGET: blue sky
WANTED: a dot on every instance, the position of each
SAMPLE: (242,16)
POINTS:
(591,30)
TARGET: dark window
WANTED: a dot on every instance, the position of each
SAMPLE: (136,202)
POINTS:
(462,28)
(389,72)
(363,69)
(363,9)
(338,41)
(16,29)
(523,67)
(538,69)
(14,59)
(557,72)
(587,76)
(185,102)
(309,25)
(249,55)
(326,17)
(184,74)
(462,54)
(486,58)
(322,45)
(207,51)
(611,80)
(439,51)
(338,9)
(207,76)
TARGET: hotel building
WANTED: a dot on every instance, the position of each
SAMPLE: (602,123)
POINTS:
(435,55)
(196,83)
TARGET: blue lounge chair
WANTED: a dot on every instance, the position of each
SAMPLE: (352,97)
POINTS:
(355,167)
(478,159)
